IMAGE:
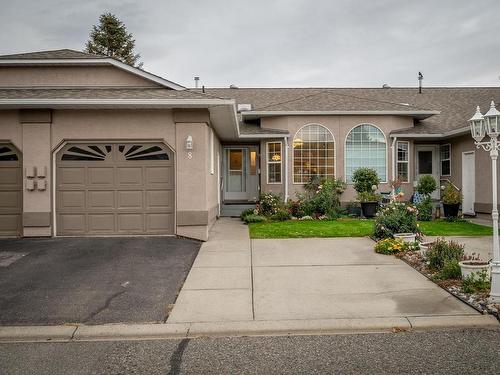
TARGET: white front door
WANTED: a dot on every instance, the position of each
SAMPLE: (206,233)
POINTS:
(468,182)
(427,163)
(241,173)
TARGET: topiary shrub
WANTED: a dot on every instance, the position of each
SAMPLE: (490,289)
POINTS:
(426,185)
(396,217)
(365,179)
(425,209)
(441,251)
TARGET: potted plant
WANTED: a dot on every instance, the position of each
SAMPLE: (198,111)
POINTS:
(473,264)
(451,199)
(366,182)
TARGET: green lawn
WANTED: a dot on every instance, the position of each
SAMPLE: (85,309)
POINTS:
(357,228)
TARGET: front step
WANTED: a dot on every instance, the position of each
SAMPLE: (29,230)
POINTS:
(235,209)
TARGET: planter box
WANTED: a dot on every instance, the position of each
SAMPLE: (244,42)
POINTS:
(451,210)
(369,209)
(470,266)
(405,237)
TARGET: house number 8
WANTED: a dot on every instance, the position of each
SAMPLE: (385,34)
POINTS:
(190,155)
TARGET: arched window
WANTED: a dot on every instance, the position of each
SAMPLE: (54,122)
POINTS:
(365,146)
(313,153)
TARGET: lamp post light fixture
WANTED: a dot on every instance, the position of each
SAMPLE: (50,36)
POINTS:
(480,126)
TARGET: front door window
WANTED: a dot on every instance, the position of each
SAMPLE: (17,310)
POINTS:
(236,183)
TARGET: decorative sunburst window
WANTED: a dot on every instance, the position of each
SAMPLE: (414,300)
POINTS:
(89,153)
(143,152)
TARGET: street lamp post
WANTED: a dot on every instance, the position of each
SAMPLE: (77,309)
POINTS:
(480,126)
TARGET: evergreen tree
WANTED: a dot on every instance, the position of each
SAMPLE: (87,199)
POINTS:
(110,38)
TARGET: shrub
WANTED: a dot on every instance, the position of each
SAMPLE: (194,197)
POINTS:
(364,179)
(281,215)
(322,197)
(426,185)
(295,208)
(451,195)
(254,219)
(476,282)
(442,251)
(451,270)
(368,196)
(395,217)
(248,211)
(389,246)
(269,204)
(425,209)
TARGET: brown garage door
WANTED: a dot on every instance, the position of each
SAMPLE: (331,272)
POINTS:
(115,189)
(11,184)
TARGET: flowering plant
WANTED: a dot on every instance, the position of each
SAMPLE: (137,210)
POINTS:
(270,204)
(396,217)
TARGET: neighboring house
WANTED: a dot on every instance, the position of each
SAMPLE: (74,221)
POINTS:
(90,146)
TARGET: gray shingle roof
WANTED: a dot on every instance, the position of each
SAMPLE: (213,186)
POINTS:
(99,93)
(53,54)
(254,129)
(456,104)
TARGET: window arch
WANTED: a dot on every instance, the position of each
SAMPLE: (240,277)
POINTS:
(313,153)
(365,146)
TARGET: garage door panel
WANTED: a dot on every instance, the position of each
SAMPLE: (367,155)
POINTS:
(71,176)
(72,223)
(157,223)
(100,176)
(156,199)
(101,223)
(160,176)
(115,189)
(10,177)
(10,200)
(130,223)
(129,176)
(9,224)
(101,199)
(72,199)
(130,199)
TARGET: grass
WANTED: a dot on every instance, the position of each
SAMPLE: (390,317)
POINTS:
(358,228)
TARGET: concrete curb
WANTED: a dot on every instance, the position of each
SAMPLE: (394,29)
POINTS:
(110,332)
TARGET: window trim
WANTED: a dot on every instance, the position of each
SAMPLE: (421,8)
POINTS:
(441,160)
(406,162)
(274,162)
(334,152)
(386,152)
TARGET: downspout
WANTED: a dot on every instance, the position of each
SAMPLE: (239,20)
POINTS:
(286,168)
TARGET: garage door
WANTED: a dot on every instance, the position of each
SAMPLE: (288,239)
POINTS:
(11,184)
(115,189)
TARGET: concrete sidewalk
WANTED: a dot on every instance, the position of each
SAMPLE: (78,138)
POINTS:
(235,279)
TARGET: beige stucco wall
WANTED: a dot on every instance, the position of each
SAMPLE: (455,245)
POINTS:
(69,76)
(340,126)
(38,142)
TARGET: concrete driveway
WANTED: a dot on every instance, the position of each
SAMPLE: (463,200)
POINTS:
(91,280)
(238,279)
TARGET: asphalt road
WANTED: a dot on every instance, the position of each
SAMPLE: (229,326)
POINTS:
(92,280)
(442,352)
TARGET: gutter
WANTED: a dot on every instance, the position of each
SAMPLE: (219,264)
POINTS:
(417,113)
(286,168)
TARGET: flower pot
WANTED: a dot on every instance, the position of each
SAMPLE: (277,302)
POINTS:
(369,209)
(424,246)
(451,210)
(405,237)
(470,266)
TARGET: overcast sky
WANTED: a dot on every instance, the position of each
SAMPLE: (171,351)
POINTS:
(284,43)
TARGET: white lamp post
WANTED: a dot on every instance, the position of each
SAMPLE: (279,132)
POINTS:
(479,126)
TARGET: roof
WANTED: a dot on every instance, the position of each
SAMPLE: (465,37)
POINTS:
(249,130)
(455,104)
(53,54)
(100,93)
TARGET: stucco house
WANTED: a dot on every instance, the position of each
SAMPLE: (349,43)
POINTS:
(90,146)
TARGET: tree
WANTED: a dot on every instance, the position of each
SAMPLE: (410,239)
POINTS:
(110,38)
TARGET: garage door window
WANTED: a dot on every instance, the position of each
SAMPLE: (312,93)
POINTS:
(7,154)
(102,152)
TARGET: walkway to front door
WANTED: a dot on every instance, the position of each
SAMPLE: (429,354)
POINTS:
(238,279)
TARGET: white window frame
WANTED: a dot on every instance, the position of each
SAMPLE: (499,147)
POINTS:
(441,159)
(403,162)
(386,153)
(212,151)
(334,153)
(274,162)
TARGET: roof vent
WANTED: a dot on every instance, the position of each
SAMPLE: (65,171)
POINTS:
(244,107)
(231,86)
(386,86)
